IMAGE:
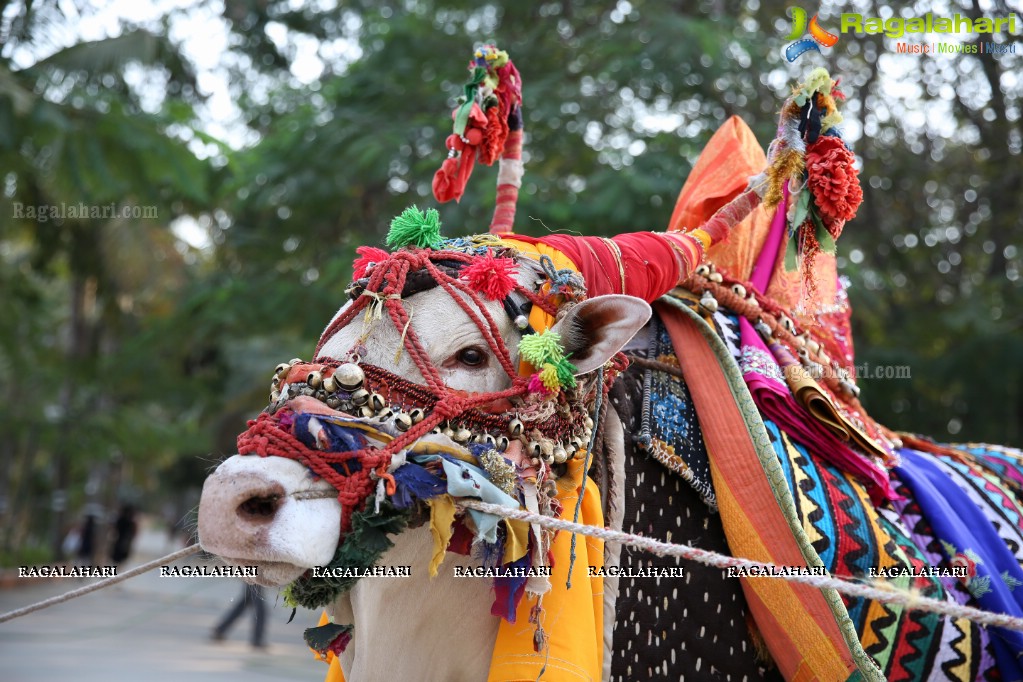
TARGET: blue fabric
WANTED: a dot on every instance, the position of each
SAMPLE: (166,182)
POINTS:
(465,480)
(413,482)
(956,520)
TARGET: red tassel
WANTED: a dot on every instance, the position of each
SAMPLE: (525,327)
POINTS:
(367,255)
(493,277)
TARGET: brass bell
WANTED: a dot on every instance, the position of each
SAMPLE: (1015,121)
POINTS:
(488,440)
(330,384)
(739,290)
(276,381)
(715,277)
(366,412)
(377,402)
(560,454)
(402,422)
(314,379)
(295,361)
(320,395)
(282,369)
(708,302)
(515,427)
(417,415)
(752,300)
(462,436)
(360,397)
(349,376)
(703,270)
(333,402)
(274,396)
(385,414)
(501,443)
(587,422)
(534,449)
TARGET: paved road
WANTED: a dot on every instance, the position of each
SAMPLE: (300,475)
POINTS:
(148,628)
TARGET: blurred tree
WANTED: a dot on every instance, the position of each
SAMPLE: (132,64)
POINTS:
(164,350)
(92,179)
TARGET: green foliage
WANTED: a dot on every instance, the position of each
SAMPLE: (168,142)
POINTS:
(126,352)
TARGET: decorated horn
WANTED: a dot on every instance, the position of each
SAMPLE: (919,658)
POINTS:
(487,128)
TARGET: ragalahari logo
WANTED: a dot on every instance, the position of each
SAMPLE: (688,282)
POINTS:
(818,36)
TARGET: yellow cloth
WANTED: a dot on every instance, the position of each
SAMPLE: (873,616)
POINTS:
(572,618)
(538,319)
(442,518)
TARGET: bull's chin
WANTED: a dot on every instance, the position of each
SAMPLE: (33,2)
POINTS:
(268,573)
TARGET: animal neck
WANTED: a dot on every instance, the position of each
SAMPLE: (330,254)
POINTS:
(416,616)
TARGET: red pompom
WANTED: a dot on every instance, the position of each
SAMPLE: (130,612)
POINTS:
(493,277)
(367,256)
(834,181)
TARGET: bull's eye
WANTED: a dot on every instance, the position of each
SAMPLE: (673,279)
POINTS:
(472,357)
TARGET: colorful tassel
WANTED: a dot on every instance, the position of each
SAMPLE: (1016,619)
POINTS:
(493,277)
(415,228)
(540,349)
(368,255)
(549,377)
(535,385)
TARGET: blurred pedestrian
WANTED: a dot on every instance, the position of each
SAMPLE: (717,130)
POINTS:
(125,528)
(86,542)
(252,596)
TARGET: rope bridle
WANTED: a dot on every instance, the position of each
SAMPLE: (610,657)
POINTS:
(419,409)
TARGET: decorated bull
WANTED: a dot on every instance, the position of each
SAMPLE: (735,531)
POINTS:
(694,385)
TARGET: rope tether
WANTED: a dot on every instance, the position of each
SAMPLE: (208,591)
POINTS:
(108,582)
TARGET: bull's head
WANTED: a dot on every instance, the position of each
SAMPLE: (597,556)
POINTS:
(419,372)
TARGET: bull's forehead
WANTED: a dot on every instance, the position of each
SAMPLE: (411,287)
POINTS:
(443,328)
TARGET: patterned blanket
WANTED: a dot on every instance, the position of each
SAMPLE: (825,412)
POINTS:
(954,533)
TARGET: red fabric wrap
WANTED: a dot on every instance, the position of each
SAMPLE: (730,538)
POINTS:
(646,261)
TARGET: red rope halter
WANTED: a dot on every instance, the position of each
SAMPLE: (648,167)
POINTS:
(268,435)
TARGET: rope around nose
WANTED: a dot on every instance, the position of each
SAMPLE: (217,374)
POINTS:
(878,591)
(67,596)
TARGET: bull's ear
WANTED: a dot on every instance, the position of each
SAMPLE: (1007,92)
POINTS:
(599,327)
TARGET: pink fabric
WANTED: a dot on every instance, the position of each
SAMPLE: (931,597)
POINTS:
(774,399)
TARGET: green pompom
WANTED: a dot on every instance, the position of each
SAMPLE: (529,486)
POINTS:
(415,228)
(539,349)
(566,372)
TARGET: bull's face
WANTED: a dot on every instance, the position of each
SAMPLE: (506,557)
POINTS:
(274,513)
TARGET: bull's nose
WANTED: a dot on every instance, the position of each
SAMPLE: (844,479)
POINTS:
(261,506)
(239,506)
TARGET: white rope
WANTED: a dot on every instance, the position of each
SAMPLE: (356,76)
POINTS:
(67,596)
(877,591)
